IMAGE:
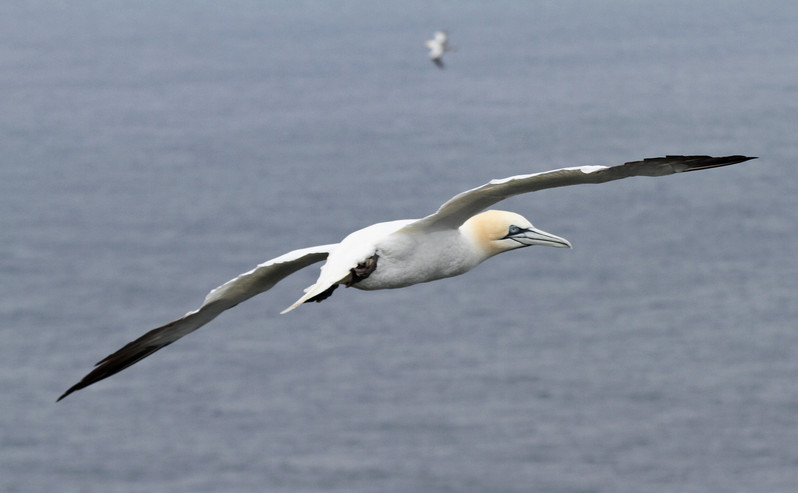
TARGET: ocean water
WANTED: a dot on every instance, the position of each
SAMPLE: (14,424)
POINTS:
(150,151)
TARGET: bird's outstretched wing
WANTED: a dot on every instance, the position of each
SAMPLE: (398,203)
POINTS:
(462,206)
(260,279)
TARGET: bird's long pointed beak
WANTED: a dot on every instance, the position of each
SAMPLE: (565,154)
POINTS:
(534,236)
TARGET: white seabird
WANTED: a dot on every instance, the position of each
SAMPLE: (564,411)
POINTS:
(437,46)
(395,254)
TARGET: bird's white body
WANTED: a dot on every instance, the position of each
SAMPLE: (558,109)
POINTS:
(407,259)
(438,45)
(404,254)
(456,238)
(404,258)
(379,239)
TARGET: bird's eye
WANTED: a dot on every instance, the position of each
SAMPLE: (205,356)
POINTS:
(514,230)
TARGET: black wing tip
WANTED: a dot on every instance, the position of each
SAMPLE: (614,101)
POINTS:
(89,379)
(695,163)
(698,159)
(113,364)
(672,163)
(71,389)
(92,377)
(736,158)
(103,369)
(127,356)
(741,159)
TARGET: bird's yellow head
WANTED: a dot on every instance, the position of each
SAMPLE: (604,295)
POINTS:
(496,231)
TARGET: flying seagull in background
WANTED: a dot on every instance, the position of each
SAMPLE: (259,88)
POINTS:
(437,46)
(395,254)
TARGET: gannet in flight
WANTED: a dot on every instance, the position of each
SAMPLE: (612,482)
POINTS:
(437,46)
(395,254)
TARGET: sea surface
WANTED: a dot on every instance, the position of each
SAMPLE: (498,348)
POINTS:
(150,151)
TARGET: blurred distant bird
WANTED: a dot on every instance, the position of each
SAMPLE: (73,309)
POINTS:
(395,254)
(437,46)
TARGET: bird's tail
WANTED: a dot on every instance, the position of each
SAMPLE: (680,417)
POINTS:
(317,292)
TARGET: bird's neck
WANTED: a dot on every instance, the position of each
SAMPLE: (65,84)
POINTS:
(476,237)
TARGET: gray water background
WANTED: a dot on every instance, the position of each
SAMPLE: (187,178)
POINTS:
(150,151)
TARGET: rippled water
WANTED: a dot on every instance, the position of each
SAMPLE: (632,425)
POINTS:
(151,151)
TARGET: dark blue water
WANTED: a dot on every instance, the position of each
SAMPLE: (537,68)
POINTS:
(150,151)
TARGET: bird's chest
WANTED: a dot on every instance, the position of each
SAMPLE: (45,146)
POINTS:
(412,261)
